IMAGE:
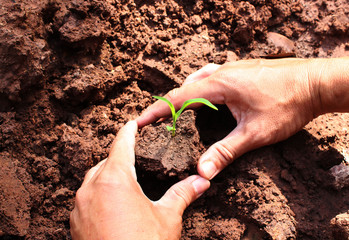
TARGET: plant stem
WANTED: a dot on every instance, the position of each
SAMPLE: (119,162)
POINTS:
(174,129)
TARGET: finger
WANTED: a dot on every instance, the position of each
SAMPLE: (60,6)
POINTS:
(207,88)
(204,72)
(224,152)
(122,151)
(93,171)
(183,193)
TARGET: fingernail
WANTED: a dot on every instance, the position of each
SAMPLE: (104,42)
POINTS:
(209,169)
(200,185)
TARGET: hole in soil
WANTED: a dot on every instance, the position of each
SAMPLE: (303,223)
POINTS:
(214,125)
(154,187)
(254,232)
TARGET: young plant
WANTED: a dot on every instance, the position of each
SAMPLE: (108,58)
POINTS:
(175,114)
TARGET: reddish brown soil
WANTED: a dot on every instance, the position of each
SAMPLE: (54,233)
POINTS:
(159,152)
(73,72)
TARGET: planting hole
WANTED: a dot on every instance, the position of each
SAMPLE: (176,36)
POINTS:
(214,125)
(154,187)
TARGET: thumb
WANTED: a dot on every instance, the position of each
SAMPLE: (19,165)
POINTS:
(183,193)
(224,152)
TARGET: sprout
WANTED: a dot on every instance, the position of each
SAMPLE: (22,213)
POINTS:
(175,114)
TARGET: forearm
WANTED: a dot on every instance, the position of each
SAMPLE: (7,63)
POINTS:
(331,80)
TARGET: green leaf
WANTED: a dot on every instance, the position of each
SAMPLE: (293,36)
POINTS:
(173,110)
(175,114)
(169,128)
(195,100)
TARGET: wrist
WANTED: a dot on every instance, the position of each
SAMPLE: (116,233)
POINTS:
(329,81)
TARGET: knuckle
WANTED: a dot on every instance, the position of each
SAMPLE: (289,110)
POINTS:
(181,193)
(114,179)
(106,179)
(80,196)
(154,114)
(214,80)
(171,95)
(209,67)
(225,154)
(219,79)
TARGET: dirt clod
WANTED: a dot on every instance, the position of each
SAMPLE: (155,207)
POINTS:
(159,152)
(14,200)
(340,226)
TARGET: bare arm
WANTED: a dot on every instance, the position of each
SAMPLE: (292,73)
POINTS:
(331,77)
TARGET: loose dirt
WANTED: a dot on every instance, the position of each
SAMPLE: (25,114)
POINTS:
(73,72)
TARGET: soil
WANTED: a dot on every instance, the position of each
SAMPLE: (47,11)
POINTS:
(73,72)
(160,153)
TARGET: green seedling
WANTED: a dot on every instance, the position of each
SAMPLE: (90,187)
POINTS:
(175,114)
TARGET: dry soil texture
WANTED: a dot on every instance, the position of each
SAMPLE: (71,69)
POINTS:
(73,72)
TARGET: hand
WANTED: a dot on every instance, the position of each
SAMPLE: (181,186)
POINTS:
(270,100)
(111,204)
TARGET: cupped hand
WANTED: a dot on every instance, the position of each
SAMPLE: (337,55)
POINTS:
(111,204)
(270,100)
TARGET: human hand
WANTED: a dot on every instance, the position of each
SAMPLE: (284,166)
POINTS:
(111,204)
(270,100)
